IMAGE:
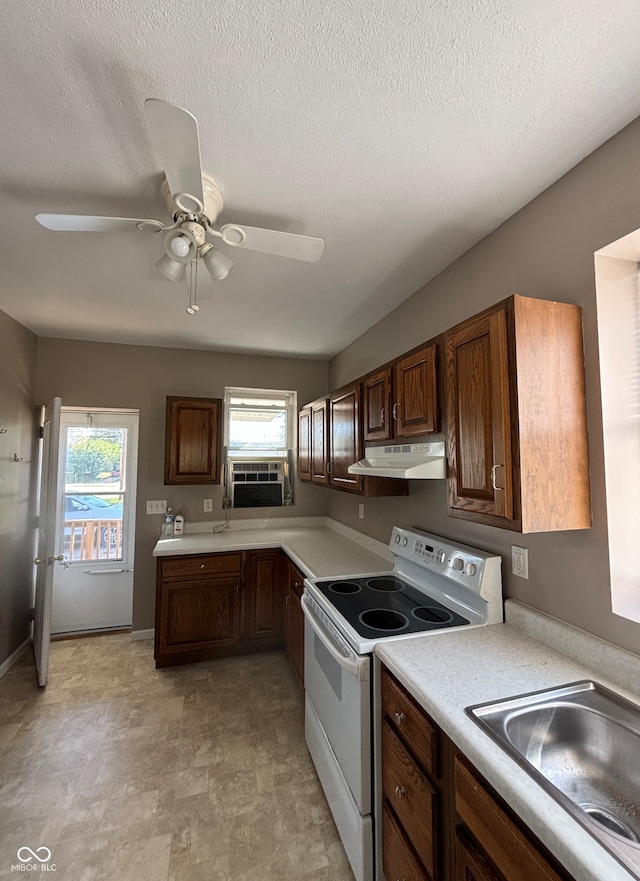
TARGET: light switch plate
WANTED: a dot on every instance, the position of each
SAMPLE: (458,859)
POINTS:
(159,506)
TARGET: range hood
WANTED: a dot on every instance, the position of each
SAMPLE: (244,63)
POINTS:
(412,461)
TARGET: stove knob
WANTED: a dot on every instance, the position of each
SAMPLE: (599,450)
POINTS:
(396,539)
(458,564)
(405,541)
(470,569)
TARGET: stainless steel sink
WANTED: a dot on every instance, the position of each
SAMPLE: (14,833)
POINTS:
(581,742)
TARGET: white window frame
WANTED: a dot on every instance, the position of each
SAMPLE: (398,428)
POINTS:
(618,311)
(291,405)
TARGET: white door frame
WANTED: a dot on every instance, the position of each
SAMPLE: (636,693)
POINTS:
(96,594)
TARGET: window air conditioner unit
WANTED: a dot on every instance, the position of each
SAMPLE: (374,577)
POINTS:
(257,484)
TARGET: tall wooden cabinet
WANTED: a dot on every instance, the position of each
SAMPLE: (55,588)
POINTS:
(304,443)
(516,417)
(193,441)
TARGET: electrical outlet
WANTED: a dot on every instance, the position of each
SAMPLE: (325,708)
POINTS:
(208,506)
(157,507)
(520,561)
(361,510)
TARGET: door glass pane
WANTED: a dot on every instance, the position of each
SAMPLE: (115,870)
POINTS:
(94,493)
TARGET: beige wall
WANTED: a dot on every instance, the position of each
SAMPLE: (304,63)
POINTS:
(17,415)
(108,375)
(546,250)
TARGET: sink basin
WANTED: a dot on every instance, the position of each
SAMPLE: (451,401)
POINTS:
(581,742)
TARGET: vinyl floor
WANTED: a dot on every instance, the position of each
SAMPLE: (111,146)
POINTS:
(193,773)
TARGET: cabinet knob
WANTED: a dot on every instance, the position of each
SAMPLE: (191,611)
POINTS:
(400,718)
(401,791)
(202,565)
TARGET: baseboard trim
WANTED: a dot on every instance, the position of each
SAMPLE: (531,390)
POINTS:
(5,666)
(143,634)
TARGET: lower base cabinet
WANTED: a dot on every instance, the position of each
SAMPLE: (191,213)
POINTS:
(294,627)
(218,605)
(441,820)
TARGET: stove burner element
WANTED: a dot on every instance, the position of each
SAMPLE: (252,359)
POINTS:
(386,583)
(383,619)
(345,587)
(432,615)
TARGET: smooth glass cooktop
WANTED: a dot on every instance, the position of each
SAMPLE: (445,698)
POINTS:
(384,605)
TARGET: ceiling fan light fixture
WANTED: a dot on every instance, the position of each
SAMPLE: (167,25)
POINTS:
(171,268)
(218,264)
(181,244)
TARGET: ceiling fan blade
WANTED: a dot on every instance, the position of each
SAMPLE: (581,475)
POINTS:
(271,241)
(176,141)
(86,223)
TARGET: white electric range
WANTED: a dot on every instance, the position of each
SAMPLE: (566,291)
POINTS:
(436,586)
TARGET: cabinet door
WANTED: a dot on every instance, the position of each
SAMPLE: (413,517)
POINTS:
(319,441)
(264,594)
(376,406)
(197,615)
(472,863)
(192,441)
(296,637)
(345,438)
(415,409)
(478,417)
(304,443)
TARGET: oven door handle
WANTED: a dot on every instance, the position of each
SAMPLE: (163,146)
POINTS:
(351,665)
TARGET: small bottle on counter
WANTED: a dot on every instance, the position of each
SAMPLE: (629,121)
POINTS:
(167,525)
(178,524)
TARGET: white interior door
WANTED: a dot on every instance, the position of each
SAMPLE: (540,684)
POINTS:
(46,539)
(93,585)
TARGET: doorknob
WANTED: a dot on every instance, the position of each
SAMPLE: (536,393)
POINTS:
(38,560)
(59,557)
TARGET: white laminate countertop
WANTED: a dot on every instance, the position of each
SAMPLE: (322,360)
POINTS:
(319,551)
(447,672)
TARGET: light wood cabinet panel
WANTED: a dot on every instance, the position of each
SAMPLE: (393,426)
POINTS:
(415,408)
(304,443)
(193,441)
(516,417)
(320,441)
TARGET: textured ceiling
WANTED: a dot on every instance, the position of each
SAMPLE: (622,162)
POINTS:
(399,131)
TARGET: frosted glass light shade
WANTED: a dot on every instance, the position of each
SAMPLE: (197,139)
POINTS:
(171,269)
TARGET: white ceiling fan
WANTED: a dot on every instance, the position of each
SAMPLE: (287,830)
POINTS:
(194,202)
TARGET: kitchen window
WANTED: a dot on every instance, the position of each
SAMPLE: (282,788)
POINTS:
(618,306)
(259,440)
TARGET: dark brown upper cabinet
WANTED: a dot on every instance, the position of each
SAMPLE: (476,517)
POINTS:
(320,441)
(304,443)
(401,400)
(345,445)
(193,440)
(516,417)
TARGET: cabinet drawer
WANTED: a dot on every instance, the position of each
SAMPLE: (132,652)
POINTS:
(398,860)
(410,795)
(203,564)
(517,858)
(410,721)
